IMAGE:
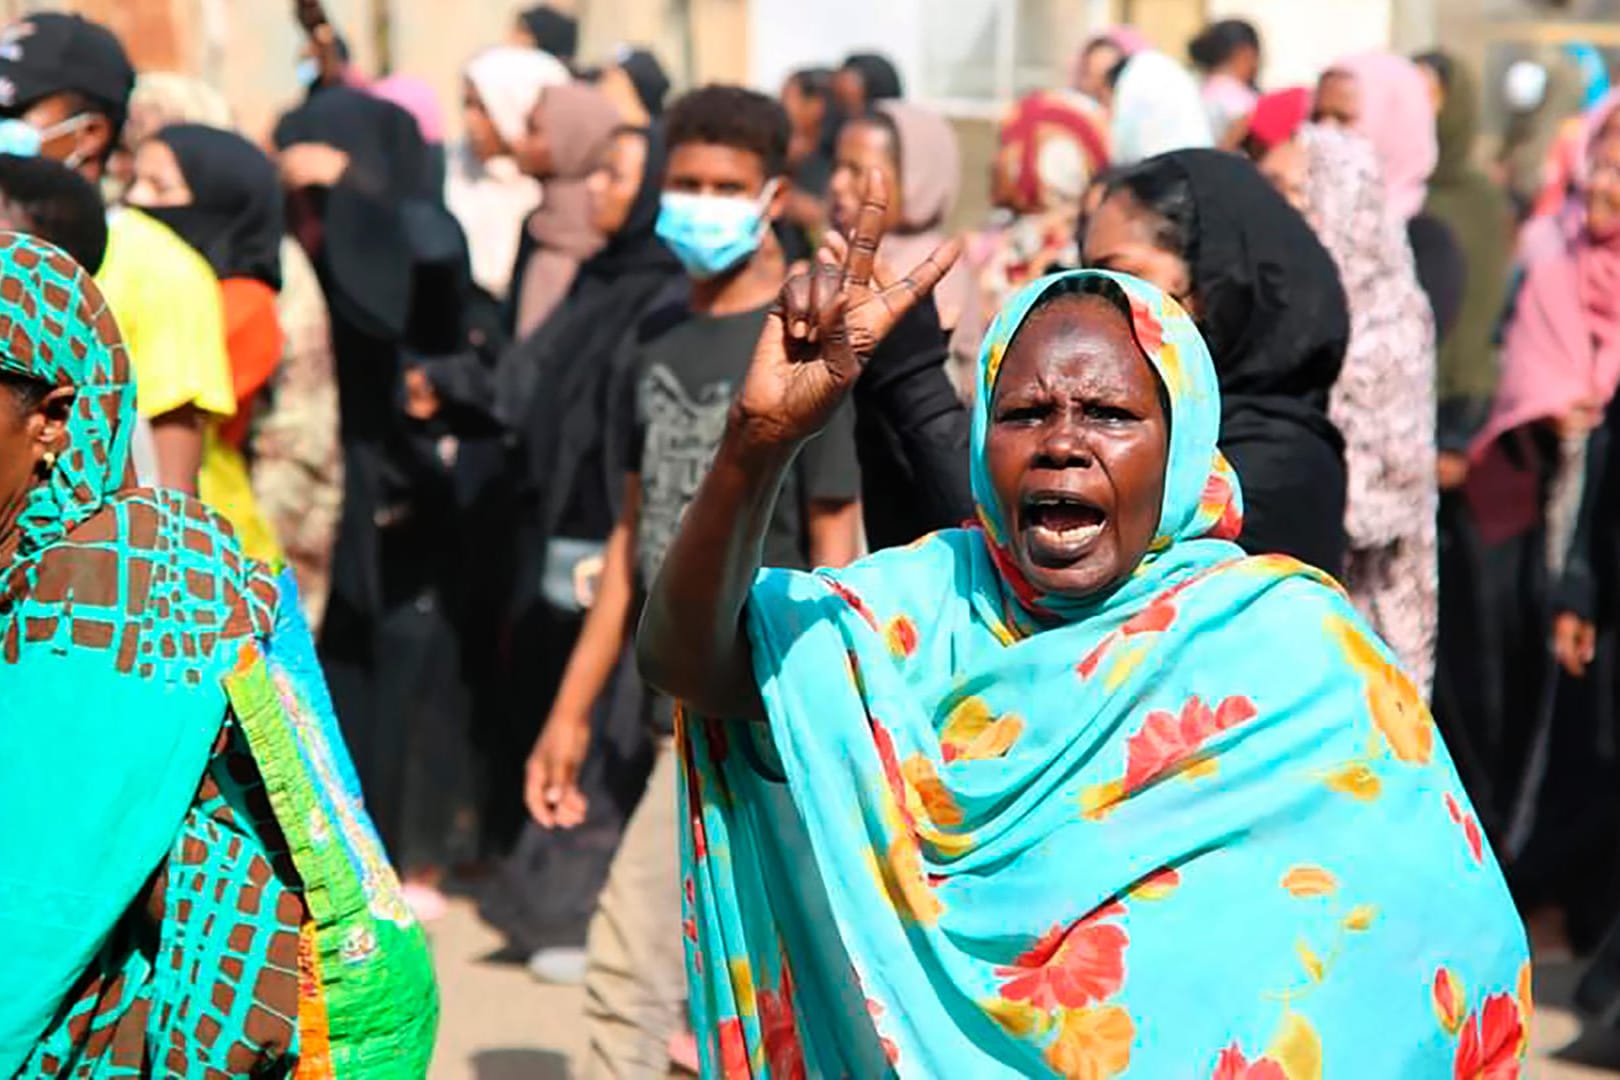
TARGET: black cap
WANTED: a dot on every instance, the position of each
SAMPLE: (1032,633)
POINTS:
(52,53)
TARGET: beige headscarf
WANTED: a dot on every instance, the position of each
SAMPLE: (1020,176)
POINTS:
(930,179)
(161,98)
(492,198)
(579,123)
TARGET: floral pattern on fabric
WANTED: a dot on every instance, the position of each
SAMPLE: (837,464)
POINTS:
(1199,824)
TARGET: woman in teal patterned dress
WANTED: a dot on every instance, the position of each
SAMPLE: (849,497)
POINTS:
(1078,790)
(189,885)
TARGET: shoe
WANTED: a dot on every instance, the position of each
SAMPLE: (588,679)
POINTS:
(559,966)
(426,903)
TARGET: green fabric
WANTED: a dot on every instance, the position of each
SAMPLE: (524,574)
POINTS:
(110,611)
(1481,219)
(132,628)
(377,1012)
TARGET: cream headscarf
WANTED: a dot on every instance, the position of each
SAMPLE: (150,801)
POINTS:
(492,198)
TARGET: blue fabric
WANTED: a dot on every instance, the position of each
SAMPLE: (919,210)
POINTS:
(1200,825)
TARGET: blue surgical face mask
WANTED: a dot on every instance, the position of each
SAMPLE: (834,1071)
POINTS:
(710,234)
(19,138)
(309,72)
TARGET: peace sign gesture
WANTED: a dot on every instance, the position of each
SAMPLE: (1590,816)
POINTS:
(825,324)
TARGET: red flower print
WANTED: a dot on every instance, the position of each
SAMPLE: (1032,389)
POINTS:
(1149,333)
(1491,1042)
(1070,967)
(901,634)
(874,1009)
(733,1050)
(891,769)
(1166,740)
(689,929)
(691,890)
(1153,619)
(780,1032)
(848,596)
(1156,885)
(1450,1003)
(1232,1065)
(1470,827)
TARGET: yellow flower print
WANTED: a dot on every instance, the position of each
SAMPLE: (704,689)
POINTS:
(973,734)
(1306,881)
(1355,780)
(1297,1048)
(1396,707)
(900,875)
(936,801)
(1092,1044)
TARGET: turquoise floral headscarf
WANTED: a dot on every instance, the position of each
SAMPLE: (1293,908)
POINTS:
(1200,825)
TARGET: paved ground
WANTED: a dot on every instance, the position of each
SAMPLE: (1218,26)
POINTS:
(499,1024)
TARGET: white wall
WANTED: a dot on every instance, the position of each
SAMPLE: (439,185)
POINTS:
(1303,37)
(787,34)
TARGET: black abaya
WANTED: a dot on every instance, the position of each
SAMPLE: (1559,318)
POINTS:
(1274,315)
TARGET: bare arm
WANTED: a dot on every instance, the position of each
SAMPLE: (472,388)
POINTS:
(692,643)
(177,439)
(552,787)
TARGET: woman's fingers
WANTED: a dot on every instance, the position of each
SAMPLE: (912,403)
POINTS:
(797,306)
(899,297)
(868,233)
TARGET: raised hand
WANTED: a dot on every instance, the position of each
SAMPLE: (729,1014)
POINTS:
(826,323)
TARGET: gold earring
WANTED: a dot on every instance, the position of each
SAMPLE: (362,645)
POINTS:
(49,461)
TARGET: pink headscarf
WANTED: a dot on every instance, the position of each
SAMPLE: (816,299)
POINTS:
(931,176)
(416,97)
(1562,350)
(1396,115)
(1127,39)
(1566,161)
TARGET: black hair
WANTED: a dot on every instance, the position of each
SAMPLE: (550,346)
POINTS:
(1116,72)
(1163,190)
(814,82)
(56,204)
(731,116)
(879,77)
(1437,62)
(26,391)
(883,121)
(1220,41)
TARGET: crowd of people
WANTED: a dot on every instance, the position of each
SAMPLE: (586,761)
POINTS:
(341,466)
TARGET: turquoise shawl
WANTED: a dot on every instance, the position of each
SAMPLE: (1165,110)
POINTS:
(131,630)
(1198,826)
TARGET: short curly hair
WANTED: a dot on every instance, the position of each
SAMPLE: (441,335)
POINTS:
(731,116)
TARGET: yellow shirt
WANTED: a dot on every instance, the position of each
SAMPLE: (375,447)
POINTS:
(166,300)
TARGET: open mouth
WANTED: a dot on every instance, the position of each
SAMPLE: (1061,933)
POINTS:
(1061,526)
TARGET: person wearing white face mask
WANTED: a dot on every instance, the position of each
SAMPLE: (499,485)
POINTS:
(65,84)
(722,188)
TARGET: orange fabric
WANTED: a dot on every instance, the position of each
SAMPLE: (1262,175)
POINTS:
(253,340)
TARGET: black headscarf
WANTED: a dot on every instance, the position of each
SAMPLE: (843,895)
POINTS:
(357,232)
(235,218)
(1273,312)
(559,389)
(878,76)
(647,75)
(553,32)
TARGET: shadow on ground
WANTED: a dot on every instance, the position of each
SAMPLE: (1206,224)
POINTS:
(519,1064)
(1596,1047)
